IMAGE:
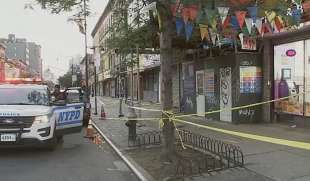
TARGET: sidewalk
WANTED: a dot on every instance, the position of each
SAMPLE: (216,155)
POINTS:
(274,161)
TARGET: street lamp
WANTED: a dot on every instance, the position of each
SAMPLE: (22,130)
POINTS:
(95,74)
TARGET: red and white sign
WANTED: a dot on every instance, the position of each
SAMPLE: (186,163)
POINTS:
(249,43)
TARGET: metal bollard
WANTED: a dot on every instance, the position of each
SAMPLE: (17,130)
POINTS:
(131,124)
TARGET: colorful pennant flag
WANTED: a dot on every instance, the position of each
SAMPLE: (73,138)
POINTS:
(212,18)
(271,15)
(296,13)
(240,17)
(179,23)
(234,23)
(226,22)
(213,37)
(259,24)
(189,26)
(253,12)
(223,11)
(186,14)
(193,12)
(279,23)
(239,2)
(204,32)
(202,17)
(249,24)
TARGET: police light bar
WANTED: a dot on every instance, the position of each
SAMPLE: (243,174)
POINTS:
(22,80)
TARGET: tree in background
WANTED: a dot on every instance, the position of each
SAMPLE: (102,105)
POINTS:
(65,80)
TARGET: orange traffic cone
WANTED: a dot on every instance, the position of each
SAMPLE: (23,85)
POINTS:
(89,132)
(103,114)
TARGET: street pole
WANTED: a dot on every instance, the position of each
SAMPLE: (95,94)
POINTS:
(72,81)
(138,81)
(120,88)
(96,110)
(86,56)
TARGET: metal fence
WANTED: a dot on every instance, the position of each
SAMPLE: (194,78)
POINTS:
(231,154)
(144,139)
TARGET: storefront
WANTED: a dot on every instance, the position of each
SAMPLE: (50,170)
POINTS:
(149,77)
(288,57)
(292,77)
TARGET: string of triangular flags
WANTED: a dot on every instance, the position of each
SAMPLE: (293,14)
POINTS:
(224,23)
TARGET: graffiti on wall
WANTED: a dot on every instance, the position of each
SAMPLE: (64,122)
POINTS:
(225,93)
(247,113)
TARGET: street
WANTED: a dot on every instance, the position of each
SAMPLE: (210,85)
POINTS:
(78,159)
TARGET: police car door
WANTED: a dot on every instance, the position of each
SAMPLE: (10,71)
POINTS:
(69,118)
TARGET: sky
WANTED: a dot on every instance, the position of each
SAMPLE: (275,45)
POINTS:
(60,40)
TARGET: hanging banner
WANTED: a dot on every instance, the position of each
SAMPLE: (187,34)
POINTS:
(259,24)
(212,18)
(186,15)
(213,37)
(253,12)
(239,2)
(177,8)
(234,23)
(204,32)
(226,22)
(193,12)
(279,23)
(240,17)
(223,11)
(179,25)
(249,24)
(271,15)
(296,14)
(248,43)
(189,30)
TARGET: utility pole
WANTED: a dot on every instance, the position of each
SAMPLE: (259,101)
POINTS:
(95,72)
(72,81)
(138,79)
(86,56)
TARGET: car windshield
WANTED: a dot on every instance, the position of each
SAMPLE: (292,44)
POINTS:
(23,96)
(73,96)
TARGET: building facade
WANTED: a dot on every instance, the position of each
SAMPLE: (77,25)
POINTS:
(29,52)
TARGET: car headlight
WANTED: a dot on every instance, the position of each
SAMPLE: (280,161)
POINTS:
(41,119)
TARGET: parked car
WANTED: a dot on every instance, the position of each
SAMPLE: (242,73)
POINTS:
(77,94)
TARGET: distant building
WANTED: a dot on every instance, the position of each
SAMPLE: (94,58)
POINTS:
(2,61)
(20,49)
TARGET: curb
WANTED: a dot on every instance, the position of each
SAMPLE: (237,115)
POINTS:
(129,162)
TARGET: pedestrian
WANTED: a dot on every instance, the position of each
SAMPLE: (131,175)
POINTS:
(58,94)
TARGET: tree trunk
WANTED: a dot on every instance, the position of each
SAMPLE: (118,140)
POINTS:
(166,77)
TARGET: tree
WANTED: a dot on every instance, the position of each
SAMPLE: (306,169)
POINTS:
(65,80)
(126,38)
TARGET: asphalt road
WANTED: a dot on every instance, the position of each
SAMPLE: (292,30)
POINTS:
(77,159)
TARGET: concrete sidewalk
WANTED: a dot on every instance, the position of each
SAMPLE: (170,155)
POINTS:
(273,161)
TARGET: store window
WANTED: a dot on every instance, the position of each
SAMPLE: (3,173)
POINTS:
(289,75)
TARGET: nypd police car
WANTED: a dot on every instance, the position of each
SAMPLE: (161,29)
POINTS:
(28,116)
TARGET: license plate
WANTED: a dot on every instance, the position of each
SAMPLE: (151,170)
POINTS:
(8,137)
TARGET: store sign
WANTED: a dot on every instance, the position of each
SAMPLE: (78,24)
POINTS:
(290,53)
(150,60)
(249,43)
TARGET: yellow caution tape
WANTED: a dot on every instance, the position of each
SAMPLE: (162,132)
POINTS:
(294,144)
(172,117)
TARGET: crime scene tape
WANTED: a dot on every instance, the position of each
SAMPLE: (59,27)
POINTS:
(294,144)
(176,118)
